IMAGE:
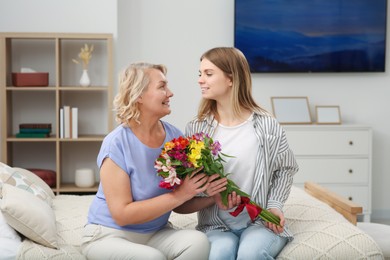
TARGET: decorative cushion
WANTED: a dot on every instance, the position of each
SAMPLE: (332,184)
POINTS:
(29,215)
(26,180)
(71,214)
(32,177)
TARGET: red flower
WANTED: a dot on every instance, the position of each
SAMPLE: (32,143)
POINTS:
(166,185)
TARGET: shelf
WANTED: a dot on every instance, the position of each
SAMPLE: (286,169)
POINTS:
(53,53)
(72,188)
(25,139)
(95,138)
(49,88)
(72,88)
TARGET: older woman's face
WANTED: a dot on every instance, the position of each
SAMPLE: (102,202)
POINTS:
(155,100)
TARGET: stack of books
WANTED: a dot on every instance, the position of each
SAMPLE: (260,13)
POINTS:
(34,130)
(69,122)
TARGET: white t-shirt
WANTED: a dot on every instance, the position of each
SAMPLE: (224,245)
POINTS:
(239,141)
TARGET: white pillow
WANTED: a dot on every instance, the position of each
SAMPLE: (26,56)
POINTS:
(9,248)
(29,215)
(9,240)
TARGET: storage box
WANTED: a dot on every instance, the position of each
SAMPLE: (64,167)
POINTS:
(31,79)
(47,176)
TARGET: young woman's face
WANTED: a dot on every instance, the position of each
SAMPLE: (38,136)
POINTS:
(155,99)
(213,83)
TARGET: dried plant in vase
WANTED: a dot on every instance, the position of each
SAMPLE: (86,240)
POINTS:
(85,56)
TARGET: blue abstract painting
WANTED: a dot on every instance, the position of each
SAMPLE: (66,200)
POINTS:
(312,35)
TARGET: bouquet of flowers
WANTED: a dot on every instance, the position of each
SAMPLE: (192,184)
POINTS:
(181,156)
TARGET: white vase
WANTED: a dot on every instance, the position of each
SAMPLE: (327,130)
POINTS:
(84,80)
(84,178)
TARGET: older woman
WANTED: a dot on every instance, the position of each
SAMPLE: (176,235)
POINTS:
(129,215)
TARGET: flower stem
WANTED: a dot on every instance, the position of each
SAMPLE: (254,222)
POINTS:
(269,217)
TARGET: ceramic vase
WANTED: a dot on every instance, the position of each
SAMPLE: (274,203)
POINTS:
(84,80)
(84,178)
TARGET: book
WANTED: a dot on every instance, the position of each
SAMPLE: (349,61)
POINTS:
(74,112)
(35,125)
(61,123)
(35,130)
(66,121)
(32,135)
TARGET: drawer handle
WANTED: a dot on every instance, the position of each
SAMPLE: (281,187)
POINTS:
(350,198)
(350,171)
(350,142)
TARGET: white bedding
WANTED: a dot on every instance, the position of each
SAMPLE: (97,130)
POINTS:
(9,248)
(10,241)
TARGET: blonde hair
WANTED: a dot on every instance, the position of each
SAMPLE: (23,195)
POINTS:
(133,81)
(235,66)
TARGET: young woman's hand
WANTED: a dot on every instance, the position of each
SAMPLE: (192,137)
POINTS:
(233,201)
(216,186)
(276,229)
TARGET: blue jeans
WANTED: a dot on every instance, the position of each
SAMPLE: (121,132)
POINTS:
(253,242)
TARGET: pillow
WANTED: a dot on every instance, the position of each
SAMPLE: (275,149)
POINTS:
(9,248)
(29,215)
(32,177)
(24,181)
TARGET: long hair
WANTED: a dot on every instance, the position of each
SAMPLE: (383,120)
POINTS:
(133,81)
(235,66)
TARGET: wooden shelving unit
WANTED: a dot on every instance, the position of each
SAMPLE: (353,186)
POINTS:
(53,53)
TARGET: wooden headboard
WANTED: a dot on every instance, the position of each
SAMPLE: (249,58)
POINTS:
(345,207)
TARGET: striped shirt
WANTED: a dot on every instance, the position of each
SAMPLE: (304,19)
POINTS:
(275,167)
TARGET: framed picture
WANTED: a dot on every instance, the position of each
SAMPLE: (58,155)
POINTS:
(328,115)
(291,110)
(312,36)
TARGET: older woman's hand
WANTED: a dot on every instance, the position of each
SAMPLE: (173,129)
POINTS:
(216,185)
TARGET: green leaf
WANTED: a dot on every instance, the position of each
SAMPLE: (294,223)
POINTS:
(229,156)
(224,197)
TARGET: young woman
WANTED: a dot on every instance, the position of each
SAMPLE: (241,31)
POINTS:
(263,164)
(128,217)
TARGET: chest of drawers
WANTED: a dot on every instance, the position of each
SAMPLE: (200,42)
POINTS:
(337,157)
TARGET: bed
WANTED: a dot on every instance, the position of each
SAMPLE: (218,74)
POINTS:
(51,225)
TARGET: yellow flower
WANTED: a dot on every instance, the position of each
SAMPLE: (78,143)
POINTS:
(168,146)
(196,152)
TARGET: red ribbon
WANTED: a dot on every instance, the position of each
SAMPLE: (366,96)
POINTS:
(253,210)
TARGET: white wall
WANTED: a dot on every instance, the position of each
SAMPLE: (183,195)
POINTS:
(177,32)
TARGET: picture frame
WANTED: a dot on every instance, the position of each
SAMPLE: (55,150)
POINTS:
(291,110)
(328,115)
(311,36)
